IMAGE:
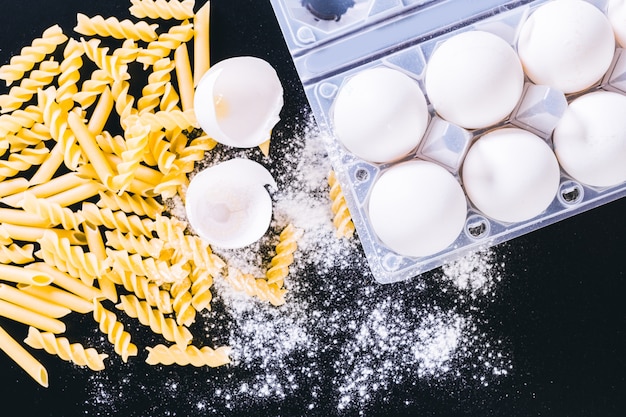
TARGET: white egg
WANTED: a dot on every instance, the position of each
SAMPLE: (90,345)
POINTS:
(511,175)
(238,101)
(590,139)
(474,79)
(380,114)
(228,205)
(566,44)
(417,208)
(616,11)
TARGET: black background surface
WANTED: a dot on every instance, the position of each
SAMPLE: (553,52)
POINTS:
(560,308)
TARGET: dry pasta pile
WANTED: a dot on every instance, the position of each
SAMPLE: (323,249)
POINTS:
(82,222)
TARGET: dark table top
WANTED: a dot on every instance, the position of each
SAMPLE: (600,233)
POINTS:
(534,327)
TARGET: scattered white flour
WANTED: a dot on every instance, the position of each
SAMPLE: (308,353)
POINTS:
(342,341)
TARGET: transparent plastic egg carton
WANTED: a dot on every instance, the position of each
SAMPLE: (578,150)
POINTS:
(402,35)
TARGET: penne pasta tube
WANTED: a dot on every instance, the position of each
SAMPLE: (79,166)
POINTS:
(13,186)
(52,187)
(59,296)
(33,234)
(21,275)
(67,282)
(76,194)
(23,358)
(90,149)
(32,318)
(29,301)
(101,113)
(96,246)
(201,42)
(22,218)
(46,171)
(184,77)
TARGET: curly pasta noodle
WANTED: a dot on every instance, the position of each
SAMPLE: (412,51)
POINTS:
(55,118)
(20,119)
(22,161)
(92,88)
(124,103)
(27,137)
(116,220)
(31,55)
(51,212)
(137,141)
(16,254)
(154,89)
(201,291)
(279,265)
(166,43)
(143,288)
(110,326)
(134,244)
(153,318)
(158,152)
(181,302)
(130,203)
(255,287)
(71,258)
(342,219)
(170,99)
(111,64)
(159,271)
(70,74)
(39,78)
(127,52)
(191,355)
(111,26)
(71,352)
(162,9)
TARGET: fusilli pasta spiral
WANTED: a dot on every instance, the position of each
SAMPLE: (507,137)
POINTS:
(39,78)
(279,265)
(111,26)
(162,9)
(342,219)
(114,330)
(191,355)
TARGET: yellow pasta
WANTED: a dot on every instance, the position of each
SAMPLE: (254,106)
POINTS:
(12,123)
(116,220)
(158,323)
(56,119)
(52,187)
(21,275)
(158,271)
(170,99)
(39,78)
(201,42)
(255,287)
(191,355)
(166,43)
(23,358)
(69,74)
(30,317)
(115,331)
(169,120)
(72,285)
(162,9)
(59,296)
(134,244)
(25,137)
(96,246)
(60,346)
(52,214)
(22,161)
(49,167)
(22,298)
(16,254)
(342,219)
(159,152)
(101,113)
(279,265)
(77,194)
(137,140)
(31,55)
(201,291)
(181,302)
(143,288)
(91,150)
(154,89)
(92,88)
(184,77)
(110,64)
(111,26)
(131,203)
(33,234)
(21,217)
(123,102)
(127,52)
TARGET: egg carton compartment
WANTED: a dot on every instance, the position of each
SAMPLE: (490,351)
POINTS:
(327,68)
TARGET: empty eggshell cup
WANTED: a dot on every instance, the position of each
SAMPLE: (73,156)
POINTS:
(228,205)
(238,101)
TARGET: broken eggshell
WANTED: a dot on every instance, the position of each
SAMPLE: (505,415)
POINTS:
(228,205)
(238,101)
